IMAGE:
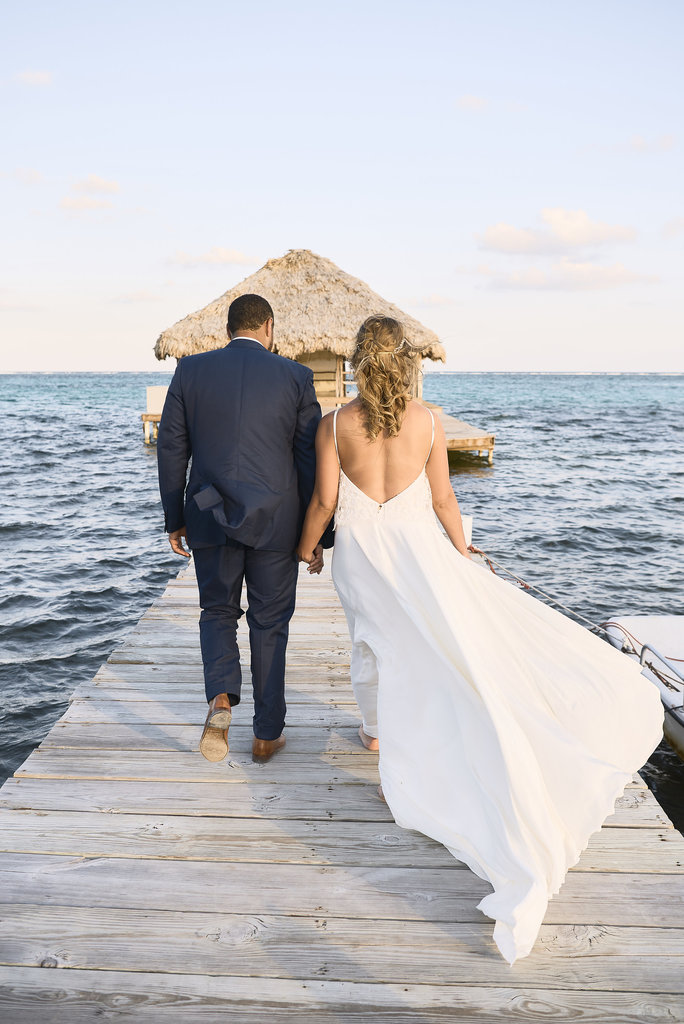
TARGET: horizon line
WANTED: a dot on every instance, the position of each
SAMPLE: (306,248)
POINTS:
(426,373)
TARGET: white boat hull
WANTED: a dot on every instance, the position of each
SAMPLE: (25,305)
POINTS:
(665,635)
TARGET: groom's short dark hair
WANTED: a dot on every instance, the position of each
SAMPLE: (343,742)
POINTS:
(248,313)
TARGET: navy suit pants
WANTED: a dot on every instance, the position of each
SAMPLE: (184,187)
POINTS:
(271,580)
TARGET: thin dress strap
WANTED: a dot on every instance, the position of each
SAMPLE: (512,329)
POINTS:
(337,453)
(432,439)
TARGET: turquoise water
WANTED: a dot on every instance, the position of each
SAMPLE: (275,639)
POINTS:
(584,499)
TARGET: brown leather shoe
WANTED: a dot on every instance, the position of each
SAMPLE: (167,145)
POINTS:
(263,750)
(218,718)
(213,743)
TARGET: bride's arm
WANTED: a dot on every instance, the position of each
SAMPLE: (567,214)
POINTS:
(324,499)
(443,498)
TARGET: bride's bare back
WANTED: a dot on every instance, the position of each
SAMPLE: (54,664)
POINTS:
(385,466)
(381,468)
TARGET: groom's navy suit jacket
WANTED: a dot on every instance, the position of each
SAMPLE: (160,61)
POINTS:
(246,418)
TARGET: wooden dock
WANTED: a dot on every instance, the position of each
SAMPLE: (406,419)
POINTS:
(464,437)
(142,883)
(460,436)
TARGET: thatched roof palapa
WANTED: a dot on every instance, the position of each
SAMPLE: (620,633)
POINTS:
(316,305)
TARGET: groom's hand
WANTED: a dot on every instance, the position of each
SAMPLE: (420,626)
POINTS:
(176,542)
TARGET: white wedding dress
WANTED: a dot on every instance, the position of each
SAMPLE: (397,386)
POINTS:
(506,730)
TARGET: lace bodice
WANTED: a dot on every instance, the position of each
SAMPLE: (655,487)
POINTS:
(354,505)
(413,503)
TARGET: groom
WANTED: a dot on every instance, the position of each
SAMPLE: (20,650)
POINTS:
(248,418)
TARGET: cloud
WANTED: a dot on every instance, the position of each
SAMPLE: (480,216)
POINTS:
(507,238)
(28,176)
(34,77)
(94,183)
(470,102)
(566,229)
(574,227)
(217,255)
(571,276)
(638,144)
(83,203)
(89,188)
(673,227)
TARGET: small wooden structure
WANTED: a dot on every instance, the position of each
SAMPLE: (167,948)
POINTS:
(140,883)
(329,375)
(318,310)
(156,395)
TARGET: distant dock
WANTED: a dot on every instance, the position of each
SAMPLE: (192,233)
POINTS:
(143,883)
(464,437)
(460,436)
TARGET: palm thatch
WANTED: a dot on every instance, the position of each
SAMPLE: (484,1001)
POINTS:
(317,307)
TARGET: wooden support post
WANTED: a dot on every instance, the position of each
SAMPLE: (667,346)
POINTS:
(150,421)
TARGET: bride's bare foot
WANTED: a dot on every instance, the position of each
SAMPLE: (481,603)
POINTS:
(381,794)
(369,742)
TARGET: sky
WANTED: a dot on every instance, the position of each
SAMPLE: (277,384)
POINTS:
(508,173)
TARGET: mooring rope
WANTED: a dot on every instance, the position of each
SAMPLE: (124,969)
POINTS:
(593,626)
(491,562)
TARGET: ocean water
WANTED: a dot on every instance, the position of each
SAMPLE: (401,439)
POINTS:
(585,499)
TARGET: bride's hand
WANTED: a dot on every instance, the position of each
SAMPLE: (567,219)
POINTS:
(313,558)
(473,550)
(316,562)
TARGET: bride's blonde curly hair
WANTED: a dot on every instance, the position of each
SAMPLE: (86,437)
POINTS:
(386,368)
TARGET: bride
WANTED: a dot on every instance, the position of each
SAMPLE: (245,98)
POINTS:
(505,730)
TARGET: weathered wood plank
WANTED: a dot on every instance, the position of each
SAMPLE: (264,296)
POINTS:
(159,711)
(146,736)
(94,834)
(80,996)
(334,802)
(311,890)
(309,627)
(161,675)
(289,767)
(340,949)
(295,693)
(138,655)
(173,609)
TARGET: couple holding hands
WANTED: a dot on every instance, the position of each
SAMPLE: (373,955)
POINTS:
(505,730)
